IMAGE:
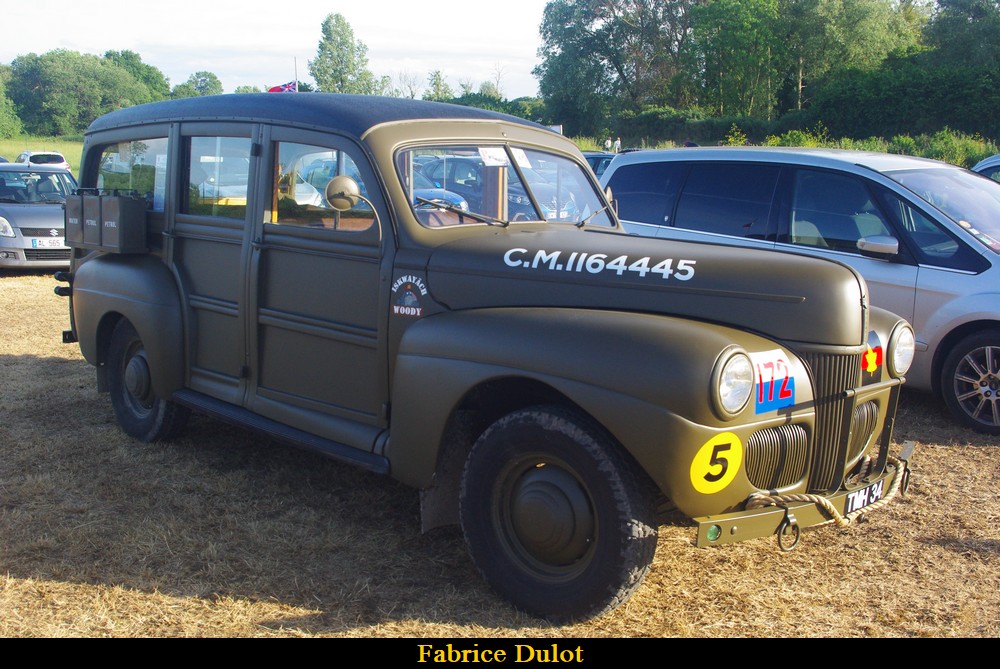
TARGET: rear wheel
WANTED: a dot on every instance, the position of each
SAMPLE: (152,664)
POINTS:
(556,518)
(139,411)
(970,381)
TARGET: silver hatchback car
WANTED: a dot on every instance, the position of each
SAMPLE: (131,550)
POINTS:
(32,224)
(924,234)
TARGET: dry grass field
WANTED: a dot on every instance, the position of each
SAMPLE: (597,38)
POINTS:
(223,533)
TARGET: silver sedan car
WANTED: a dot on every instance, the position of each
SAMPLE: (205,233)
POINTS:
(924,234)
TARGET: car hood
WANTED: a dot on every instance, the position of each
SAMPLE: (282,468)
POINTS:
(33,215)
(782,295)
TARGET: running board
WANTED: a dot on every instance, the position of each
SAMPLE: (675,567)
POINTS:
(243,418)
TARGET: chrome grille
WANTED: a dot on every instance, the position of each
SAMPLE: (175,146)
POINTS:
(777,457)
(832,375)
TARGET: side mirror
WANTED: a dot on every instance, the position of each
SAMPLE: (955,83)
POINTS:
(611,200)
(343,193)
(881,245)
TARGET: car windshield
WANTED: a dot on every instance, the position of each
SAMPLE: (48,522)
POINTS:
(498,185)
(30,187)
(971,200)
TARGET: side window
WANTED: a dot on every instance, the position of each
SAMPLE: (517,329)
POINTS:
(139,166)
(728,199)
(832,211)
(933,244)
(646,192)
(298,188)
(218,176)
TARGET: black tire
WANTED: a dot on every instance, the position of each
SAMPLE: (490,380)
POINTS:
(556,518)
(139,411)
(970,381)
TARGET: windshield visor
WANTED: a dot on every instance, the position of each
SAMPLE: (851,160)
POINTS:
(497,185)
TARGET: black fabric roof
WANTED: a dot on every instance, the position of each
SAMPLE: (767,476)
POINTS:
(350,114)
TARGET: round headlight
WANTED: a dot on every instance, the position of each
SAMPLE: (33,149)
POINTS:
(733,382)
(902,346)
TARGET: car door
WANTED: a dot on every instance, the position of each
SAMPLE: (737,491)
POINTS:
(208,243)
(827,213)
(315,334)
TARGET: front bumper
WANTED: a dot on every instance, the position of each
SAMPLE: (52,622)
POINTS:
(785,516)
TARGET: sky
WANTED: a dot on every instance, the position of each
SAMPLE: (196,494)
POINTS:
(467,40)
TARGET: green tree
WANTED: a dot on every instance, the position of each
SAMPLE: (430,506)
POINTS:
(437,88)
(247,89)
(10,122)
(966,32)
(737,56)
(823,36)
(154,79)
(341,63)
(489,89)
(629,51)
(60,92)
(198,84)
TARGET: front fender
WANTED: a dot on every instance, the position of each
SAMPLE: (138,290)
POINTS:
(141,289)
(634,373)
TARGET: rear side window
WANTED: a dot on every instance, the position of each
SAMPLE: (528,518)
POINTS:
(139,166)
(728,199)
(646,192)
(218,176)
(47,159)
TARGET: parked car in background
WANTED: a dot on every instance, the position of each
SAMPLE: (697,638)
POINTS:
(924,234)
(598,160)
(3,160)
(31,216)
(50,158)
(989,167)
(461,173)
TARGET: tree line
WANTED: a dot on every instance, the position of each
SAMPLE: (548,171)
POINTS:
(859,67)
(646,70)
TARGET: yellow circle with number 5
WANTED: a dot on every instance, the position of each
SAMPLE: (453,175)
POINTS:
(715,465)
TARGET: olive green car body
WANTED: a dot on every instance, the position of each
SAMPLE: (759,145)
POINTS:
(509,316)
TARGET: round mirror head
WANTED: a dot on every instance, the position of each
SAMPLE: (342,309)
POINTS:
(342,193)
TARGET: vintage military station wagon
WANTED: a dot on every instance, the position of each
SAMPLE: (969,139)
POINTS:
(444,295)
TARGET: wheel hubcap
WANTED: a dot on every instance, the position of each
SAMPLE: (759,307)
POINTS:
(551,516)
(137,379)
(977,384)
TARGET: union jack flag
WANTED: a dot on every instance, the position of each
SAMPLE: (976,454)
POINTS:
(290,87)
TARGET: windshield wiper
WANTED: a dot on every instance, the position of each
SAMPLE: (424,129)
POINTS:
(482,218)
(584,222)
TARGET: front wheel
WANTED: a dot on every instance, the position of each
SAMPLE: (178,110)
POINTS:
(139,411)
(970,381)
(555,516)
